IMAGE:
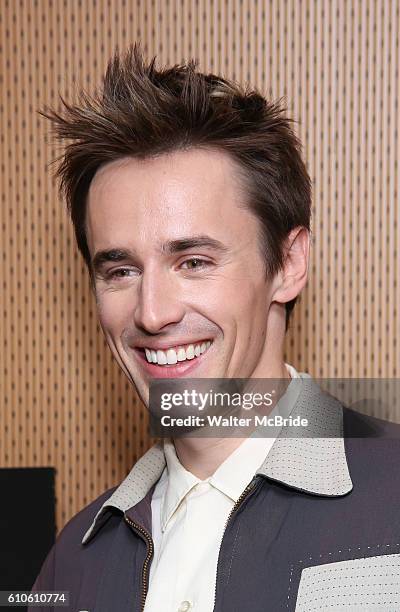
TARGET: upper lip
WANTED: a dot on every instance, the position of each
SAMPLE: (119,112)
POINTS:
(162,346)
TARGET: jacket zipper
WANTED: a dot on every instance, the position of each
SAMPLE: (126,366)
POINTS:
(239,501)
(150,548)
(150,551)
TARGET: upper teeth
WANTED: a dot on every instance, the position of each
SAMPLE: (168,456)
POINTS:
(179,353)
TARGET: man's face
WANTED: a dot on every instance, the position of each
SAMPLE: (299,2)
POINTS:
(179,276)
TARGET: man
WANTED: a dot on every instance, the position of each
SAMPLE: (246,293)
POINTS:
(191,207)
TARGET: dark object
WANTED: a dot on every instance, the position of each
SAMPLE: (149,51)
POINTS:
(27,524)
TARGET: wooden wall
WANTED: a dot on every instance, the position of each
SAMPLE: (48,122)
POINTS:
(64,401)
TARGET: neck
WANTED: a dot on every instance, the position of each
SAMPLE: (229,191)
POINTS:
(202,456)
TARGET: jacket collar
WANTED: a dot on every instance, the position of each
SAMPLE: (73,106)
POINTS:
(313,462)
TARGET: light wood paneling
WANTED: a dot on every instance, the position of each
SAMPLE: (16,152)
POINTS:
(64,401)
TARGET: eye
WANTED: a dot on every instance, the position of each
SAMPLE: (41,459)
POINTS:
(121,273)
(195,263)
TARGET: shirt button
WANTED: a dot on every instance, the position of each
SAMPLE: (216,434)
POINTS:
(184,606)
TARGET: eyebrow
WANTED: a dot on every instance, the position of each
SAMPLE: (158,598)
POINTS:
(170,247)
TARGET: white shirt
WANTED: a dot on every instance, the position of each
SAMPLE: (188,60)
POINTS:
(188,522)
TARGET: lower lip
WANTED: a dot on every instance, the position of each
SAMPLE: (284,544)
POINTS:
(170,371)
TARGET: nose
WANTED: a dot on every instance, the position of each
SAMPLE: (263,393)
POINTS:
(159,302)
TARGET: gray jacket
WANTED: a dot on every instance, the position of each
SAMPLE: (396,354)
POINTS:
(317,528)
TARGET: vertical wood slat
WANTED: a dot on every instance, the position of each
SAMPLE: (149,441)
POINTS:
(65,402)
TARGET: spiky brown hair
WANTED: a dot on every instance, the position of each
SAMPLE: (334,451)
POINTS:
(141,111)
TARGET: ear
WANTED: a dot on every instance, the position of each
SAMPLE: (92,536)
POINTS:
(292,278)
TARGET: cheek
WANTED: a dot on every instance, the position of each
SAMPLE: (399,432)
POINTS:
(114,310)
(251,300)
(251,307)
(237,301)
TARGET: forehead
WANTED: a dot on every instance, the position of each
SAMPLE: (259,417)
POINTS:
(161,198)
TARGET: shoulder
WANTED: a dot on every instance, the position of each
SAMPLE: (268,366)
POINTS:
(76,527)
(358,425)
(372,447)
(63,558)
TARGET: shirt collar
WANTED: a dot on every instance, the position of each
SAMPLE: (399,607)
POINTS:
(313,462)
(235,473)
(230,478)
(178,484)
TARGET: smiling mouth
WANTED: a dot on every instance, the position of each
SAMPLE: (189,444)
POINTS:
(177,354)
